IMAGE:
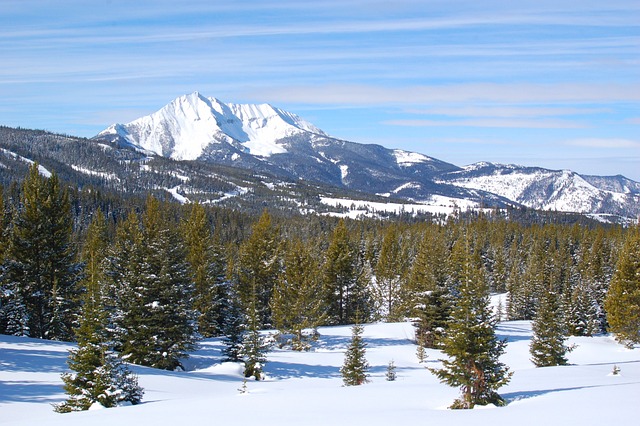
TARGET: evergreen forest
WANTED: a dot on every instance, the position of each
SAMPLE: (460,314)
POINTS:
(146,278)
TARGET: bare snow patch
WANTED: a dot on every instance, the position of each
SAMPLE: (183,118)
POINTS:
(407,158)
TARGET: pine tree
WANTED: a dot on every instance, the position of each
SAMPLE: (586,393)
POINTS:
(339,277)
(257,268)
(124,271)
(41,268)
(13,312)
(355,367)
(233,329)
(99,376)
(547,345)
(206,267)
(584,317)
(254,346)
(391,372)
(389,283)
(421,352)
(623,299)
(431,304)
(297,304)
(471,343)
(156,322)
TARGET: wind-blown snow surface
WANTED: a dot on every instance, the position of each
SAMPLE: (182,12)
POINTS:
(306,388)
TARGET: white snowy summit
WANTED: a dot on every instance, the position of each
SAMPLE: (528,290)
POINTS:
(188,125)
(270,141)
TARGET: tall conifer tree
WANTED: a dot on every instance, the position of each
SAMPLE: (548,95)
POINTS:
(549,333)
(339,277)
(157,322)
(623,299)
(257,269)
(430,296)
(297,303)
(41,267)
(471,343)
(99,376)
(389,278)
(207,270)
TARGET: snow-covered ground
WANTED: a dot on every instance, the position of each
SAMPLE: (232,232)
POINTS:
(306,388)
(436,205)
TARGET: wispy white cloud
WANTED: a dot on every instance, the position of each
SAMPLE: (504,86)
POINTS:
(506,111)
(439,70)
(544,123)
(605,143)
(510,93)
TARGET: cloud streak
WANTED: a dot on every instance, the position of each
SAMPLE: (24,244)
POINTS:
(529,74)
(604,143)
(510,93)
(491,122)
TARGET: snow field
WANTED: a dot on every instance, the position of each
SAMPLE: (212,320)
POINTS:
(306,388)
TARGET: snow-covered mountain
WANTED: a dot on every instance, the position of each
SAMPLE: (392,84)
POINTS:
(188,125)
(265,139)
(559,190)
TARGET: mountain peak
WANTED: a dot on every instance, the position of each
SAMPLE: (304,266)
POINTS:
(186,126)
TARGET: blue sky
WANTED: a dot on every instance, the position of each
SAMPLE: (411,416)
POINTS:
(548,83)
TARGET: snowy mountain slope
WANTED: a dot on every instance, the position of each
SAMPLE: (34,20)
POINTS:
(545,189)
(185,127)
(265,139)
(306,387)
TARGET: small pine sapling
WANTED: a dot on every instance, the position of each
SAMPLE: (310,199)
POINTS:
(355,367)
(243,389)
(421,352)
(391,372)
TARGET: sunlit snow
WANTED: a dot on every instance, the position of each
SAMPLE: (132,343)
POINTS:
(305,388)
(406,158)
(41,169)
(186,126)
(436,205)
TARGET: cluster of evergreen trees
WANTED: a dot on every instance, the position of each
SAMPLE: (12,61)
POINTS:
(161,276)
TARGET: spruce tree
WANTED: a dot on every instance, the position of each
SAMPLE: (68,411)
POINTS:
(623,299)
(156,323)
(206,267)
(549,334)
(257,268)
(431,300)
(124,270)
(98,376)
(389,284)
(339,277)
(233,328)
(355,368)
(41,269)
(584,316)
(471,342)
(254,346)
(297,303)
(391,374)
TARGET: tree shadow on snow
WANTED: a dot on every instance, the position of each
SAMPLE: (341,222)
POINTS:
(33,360)
(27,391)
(512,333)
(519,396)
(287,370)
(329,342)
